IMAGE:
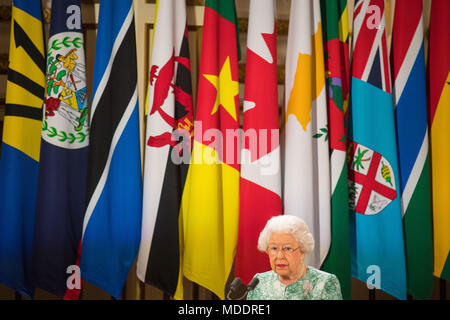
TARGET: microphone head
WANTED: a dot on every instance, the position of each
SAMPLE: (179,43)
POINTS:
(235,284)
(252,284)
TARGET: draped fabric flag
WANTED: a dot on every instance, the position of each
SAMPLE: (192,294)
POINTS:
(335,22)
(374,196)
(260,183)
(112,223)
(61,194)
(439,122)
(210,205)
(409,90)
(170,120)
(306,157)
(21,145)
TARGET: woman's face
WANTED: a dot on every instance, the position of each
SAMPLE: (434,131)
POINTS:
(286,258)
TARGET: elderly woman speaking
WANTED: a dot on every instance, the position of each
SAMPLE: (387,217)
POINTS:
(286,239)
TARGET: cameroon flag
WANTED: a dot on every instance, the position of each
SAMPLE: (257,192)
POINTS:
(210,204)
(439,115)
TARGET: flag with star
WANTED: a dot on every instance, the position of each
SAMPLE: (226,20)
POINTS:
(210,204)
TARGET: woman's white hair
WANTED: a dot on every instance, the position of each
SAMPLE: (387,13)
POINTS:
(287,224)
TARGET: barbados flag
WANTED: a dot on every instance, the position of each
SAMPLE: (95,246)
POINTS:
(112,223)
(64,149)
(377,246)
(21,145)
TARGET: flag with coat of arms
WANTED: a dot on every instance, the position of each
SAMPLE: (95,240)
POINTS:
(61,196)
(376,230)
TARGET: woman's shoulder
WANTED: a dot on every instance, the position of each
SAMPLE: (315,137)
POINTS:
(265,288)
(326,284)
(265,276)
(320,274)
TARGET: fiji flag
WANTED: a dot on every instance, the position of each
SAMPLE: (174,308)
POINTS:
(61,194)
(378,256)
(21,144)
(112,224)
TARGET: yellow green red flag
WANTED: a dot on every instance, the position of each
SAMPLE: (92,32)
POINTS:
(210,204)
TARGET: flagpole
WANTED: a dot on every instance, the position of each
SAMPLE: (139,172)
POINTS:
(372,293)
(80,297)
(214,297)
(124,292)
(142,289)
(195,291)
(443,289)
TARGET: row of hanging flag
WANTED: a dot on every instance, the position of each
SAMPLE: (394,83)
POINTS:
(352,157)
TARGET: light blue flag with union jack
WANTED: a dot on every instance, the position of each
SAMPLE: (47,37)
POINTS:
(378,256)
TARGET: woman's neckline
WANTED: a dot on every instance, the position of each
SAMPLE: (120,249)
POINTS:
(301,278)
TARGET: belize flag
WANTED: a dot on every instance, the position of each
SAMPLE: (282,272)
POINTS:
(112,223)
(61,194)
(378,256)
(21,145)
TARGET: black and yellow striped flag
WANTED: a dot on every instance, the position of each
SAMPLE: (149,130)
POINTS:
(21,144)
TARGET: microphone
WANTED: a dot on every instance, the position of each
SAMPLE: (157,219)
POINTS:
(252,284)
(235,284)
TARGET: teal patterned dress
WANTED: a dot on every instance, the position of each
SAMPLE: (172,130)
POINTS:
(314,285)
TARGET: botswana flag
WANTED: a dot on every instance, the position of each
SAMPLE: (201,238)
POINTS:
(112,223)
(61,198)
(170,120)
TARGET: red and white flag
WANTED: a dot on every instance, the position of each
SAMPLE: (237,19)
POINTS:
(260,182)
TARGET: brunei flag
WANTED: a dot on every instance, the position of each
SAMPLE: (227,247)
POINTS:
(335,26)
(260,184)
(210,205)
(167,150)
(61,194)
(439,122)
(408,69)
(21,145)
(112,223)
(306,155)
(377,248)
